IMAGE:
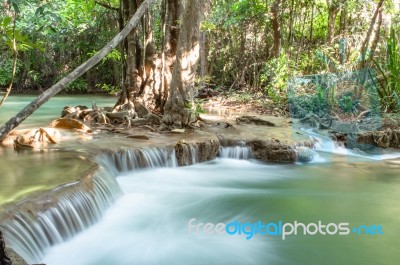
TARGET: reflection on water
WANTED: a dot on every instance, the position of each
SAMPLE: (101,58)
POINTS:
(50,110)
(27,172)
(149,224)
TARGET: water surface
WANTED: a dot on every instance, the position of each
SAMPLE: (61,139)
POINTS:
(149,224)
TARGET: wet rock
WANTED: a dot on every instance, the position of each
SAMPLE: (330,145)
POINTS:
(70,124)
(15,258)
(384,139)
(36,138)
(271,151)
(254,120)
(139,137)
(67,110)
(4,257)
(304,154)
(196,152)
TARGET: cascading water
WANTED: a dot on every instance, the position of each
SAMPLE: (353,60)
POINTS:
(235,152)
(126,160)
(152,215)
(325,144)
(31,233)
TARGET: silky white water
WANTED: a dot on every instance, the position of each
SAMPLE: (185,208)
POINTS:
(149,223)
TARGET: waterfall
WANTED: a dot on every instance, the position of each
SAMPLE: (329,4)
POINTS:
(125,160)
(35,225)
(30,231)
(235,152)
(326,145)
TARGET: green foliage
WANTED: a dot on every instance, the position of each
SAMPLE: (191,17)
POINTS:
(309,104)
(195,108)
(114,55)
(109,88)
(8,33)
(245,10)
(347,104)
(274,77)
(389,89)
(78,86)
(54,37)
(6,71)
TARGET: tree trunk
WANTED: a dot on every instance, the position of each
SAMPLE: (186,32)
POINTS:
(367,38)
(203,58)
(377,32)
(148,72)
(276,49)
(343,15)
(176,111)
(291,17)
(312,22)
(173,13)
(333,10)
(79,71)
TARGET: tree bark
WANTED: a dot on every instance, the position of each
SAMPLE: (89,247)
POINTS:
(333,10)
(149,73)
(367,38)
(173,13)
(276,49)
(79,71)
(176,110)
(377,32)
(291,18)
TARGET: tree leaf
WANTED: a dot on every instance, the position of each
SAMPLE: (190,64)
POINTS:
(39,11)
(15,6)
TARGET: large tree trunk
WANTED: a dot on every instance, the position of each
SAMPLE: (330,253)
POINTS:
(173,13)
(149,73)
(176,111)
(79,71)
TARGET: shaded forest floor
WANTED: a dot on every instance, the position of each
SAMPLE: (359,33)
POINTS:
(246,102)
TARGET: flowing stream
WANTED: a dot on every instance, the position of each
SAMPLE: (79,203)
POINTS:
(152,215)
(149,224)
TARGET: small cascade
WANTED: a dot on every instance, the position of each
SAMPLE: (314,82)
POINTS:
(125,160)
(235,152)
(31,231)
(327,145)
(37,224)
